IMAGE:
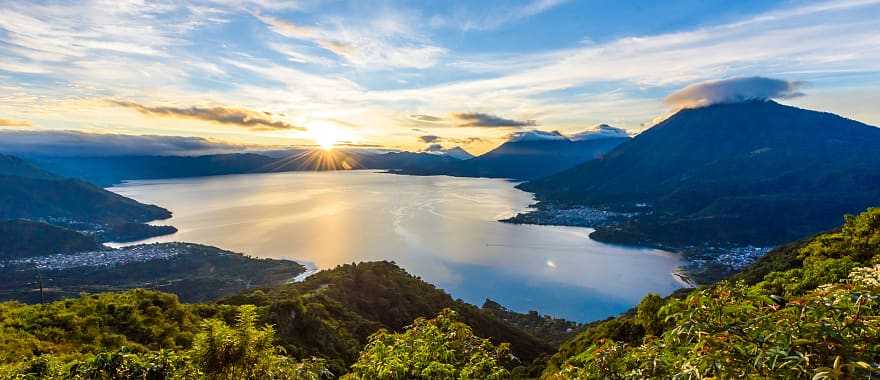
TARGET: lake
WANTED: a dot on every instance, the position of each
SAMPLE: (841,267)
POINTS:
(442,229)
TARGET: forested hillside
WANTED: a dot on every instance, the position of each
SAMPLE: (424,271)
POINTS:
(808,310)
(23,238)
(332,316)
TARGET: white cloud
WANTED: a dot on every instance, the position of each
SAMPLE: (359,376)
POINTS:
(494,17)
(733,90)
(386,41)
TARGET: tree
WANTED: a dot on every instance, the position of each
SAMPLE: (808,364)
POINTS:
(440,348)
(646,314)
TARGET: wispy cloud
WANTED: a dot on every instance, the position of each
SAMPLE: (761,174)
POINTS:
(426,118)
(14,123)
(733,90)
(254,120)
(467,20)
(387,41)
(477,119)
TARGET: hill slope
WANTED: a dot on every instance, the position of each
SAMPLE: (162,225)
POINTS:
(805,309)
(746,173)
(70,199)
(22,238)
(356,300)
(28,192)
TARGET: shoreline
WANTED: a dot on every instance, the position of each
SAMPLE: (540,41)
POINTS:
(704,263)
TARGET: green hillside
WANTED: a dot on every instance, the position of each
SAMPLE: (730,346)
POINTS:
(22,238)
(331,316)
(807,310)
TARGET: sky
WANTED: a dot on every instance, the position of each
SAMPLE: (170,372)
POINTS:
(390,73)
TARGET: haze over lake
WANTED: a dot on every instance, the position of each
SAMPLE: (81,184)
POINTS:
(442,229)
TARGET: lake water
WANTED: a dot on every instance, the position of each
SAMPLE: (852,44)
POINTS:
(442,229)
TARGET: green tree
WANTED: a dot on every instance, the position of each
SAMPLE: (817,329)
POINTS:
(646,314)
(247,352)
(440,348)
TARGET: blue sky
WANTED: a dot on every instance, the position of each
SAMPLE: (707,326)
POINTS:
(264,72)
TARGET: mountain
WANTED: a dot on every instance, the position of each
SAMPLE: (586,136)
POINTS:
(28,192)
(528,158)
(454,152)
(527,155)
(110,170)
(71,200)
(23,238)
(14,166)
(754,172)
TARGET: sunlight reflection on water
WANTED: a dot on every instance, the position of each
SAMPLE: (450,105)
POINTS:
(442,229)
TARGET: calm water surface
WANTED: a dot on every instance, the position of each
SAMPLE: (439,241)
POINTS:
(442,229)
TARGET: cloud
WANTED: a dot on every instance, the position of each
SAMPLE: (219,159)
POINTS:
(386,41)
(15,123)
(434,148)
(601,131)
(498,17)
(74,143)
(733,90)
(426,118)
(535,135)
(254,120)
(476,119)
(430,138)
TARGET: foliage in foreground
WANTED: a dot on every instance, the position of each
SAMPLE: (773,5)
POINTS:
(440,348)
(219,351)
(817,318)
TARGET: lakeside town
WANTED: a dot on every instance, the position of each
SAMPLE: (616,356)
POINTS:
(100,258)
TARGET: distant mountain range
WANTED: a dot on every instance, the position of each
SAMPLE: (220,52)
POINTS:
(529,155)
(754,172)
(109,170)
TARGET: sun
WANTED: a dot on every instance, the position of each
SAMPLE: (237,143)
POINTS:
(325,135)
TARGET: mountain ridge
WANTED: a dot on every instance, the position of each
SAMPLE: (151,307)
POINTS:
(707,170)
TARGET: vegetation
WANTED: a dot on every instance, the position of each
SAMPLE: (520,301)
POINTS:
(126,334)
(195,273)
(141,335)
(549,329)
(333,313)
(815,315)
(440,348)
(70,199)
(128,232)
(22,238)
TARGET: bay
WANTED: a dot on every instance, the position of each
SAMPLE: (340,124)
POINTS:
(442,229)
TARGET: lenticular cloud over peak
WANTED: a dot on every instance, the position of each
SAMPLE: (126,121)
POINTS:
(733,90)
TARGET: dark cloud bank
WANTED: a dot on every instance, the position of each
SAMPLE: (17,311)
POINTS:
(81,144)
(476,119)
(254,120)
